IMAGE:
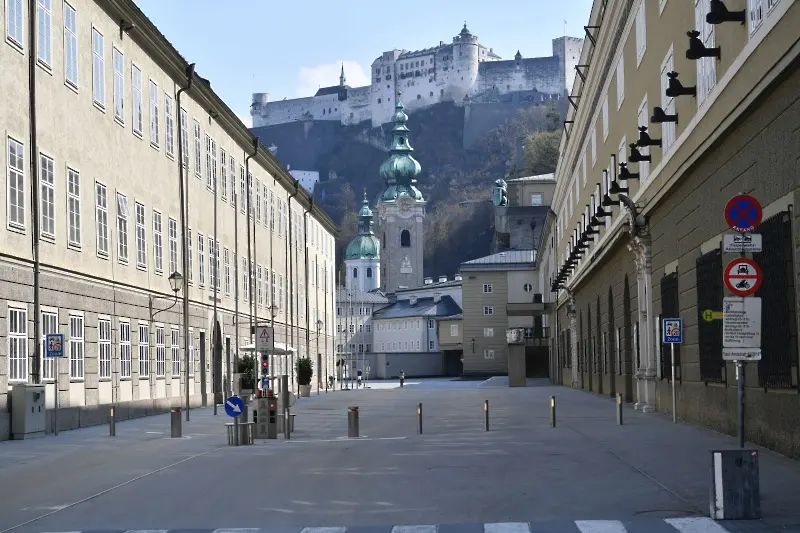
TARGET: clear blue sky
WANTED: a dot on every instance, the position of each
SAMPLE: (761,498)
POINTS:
(290,48)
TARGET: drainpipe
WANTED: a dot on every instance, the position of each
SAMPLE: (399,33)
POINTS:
(290,262)
(250,270)
(34,166)
(305,256)
(183,198)
(272,307)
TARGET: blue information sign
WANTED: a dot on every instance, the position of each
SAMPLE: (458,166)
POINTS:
(672,331)
(234,406)
(54,345)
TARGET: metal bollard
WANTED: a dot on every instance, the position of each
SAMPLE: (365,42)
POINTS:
(419,419)
(552,411)
(112,421)
(352,422)
(175,423)
(486,414)
(619,409)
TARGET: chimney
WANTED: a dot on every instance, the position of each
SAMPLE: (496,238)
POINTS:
(442,279)
(428,281)
(457,277)
(437,297)
(412,300)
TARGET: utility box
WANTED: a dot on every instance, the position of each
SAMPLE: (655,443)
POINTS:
(735,492)
(28,412)
(266,418)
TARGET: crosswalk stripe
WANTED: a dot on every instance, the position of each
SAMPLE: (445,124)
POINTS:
(600,526)
(507,527)
(695,525)
(233,530)
(147,531)
(415,529)
(323,530)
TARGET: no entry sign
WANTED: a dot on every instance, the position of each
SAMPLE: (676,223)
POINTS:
(742,277)
(743,213)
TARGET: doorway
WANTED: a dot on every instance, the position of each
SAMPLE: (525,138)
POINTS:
(203,378)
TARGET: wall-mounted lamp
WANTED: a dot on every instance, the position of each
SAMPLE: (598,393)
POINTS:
(125,27)
(645,139)
(636,156)
(719,13)
(626,174)
(676,88)
(659,116)
(698,50)
(617,189)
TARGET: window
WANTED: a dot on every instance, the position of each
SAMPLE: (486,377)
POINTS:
(352,328)
(76,347)
(70,45)
(756,10)
(184,138)
(488,310)
(644,120)
(488,353)
(258,201)
(98,69)
(488,332)
(605,117)
(583,167)
(104,347)
(201,260)
(355,273)
(169,127)
(620,81)
(197,154)
(405,238)
(271,211)
(16,184)
(161,353)
(153,93)
(232,174)
(17,344)
(136,91)
(213,265)
(189,252)
(641,33)
(667,103)
(246,282)
(175,349)
(223,177)
(537,198)
(124,350)
(454,330)
(209,184)
(706,66)
(144,351)
(101,203)
(119,84)
(44,15)
(594,144)
(141,237)
(173,245)
(74,207)
(260,285)
(280,217)
(48,199)
(14,19)
(227,263)
(158,242)
(49,325)
(487,288)
(122,228)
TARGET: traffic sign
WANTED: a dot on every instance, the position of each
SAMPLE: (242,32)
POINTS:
(672,331)
(55,345)
(709,315)
(743,213)
(742,242)
(265,339)
(742,276)
(741,327)
(741,354)
(234,406)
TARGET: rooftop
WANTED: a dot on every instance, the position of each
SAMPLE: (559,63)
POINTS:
(360,297)
(510,259)
(540,178)
(445,307)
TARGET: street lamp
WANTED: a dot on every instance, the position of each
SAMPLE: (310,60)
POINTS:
(176,284)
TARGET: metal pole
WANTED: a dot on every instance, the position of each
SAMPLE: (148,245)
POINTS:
(112,422)
(486,414)
(55,411)
(619,409)
(552,411)
(674,401)
(34,166)
(419,418)
(215,267)
(307,295)
(285,405)
(740,368)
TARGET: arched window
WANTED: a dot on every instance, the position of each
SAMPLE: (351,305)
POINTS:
(405,239)
(369,272)
(355,273)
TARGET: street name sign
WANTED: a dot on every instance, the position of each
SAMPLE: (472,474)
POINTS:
(742,276)
(741,324)
(743,213)
(742,242)
(55,345)
(741,354)
(265,339)
(234,406)
(672,331)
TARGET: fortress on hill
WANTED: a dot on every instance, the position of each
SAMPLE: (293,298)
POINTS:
(463,72)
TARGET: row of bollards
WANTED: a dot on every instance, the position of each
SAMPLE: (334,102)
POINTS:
(175,425)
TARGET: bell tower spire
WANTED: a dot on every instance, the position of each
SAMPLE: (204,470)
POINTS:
(342,79)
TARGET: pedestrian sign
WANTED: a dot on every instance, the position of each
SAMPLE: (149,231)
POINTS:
(265,339)
(743,213)
(742,276)
(55,345)
(672,331)
(234,406)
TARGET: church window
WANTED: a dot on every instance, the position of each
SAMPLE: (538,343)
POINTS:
(431,93)
(405,239)
(379,100)
(419,97)
(355,273)
(369,272)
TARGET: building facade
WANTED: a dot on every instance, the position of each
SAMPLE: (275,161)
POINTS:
(677,115)
(453,72)
(95,228)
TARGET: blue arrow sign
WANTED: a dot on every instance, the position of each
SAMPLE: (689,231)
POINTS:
(234,406)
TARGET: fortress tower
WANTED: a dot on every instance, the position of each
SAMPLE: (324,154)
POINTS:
(401,212)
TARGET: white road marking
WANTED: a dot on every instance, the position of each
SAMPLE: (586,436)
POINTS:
(507,527)
(600,526)
(415,529)
(146,531)
(695,524)
(344,439)
(323,530)
(234,530)
(45,508)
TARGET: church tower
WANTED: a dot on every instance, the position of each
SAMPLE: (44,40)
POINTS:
(401,212)
(362,257)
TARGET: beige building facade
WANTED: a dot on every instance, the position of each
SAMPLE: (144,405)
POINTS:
(114,107)
(639,227)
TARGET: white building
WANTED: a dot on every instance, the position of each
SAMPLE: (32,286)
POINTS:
(116,107)
(410,325)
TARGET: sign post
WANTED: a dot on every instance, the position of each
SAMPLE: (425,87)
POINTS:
(55,348)
(672,330)
(233,408)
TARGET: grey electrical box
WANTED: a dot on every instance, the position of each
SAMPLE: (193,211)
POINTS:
(735,493)
(28,411)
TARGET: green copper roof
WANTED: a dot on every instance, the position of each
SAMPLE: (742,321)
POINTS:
(365,245)
(400,170)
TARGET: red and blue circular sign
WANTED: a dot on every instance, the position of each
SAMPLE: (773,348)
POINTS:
(743,213)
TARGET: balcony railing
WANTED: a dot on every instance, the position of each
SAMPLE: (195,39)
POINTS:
(529,336)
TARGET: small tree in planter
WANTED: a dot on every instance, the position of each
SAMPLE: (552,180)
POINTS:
(305,371)
(247,368)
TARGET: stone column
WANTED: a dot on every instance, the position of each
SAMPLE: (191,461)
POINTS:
(572,314)
(646,368)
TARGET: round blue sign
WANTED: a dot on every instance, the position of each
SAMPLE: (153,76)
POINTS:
(234,406)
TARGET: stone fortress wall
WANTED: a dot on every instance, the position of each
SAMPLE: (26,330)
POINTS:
(459,72)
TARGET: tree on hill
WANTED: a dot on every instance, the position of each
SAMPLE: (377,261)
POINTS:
(541,152)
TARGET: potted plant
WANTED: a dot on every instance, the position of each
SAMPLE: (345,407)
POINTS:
(247,373)
(305,370)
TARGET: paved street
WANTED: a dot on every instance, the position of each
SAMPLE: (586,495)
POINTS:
(647,475)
